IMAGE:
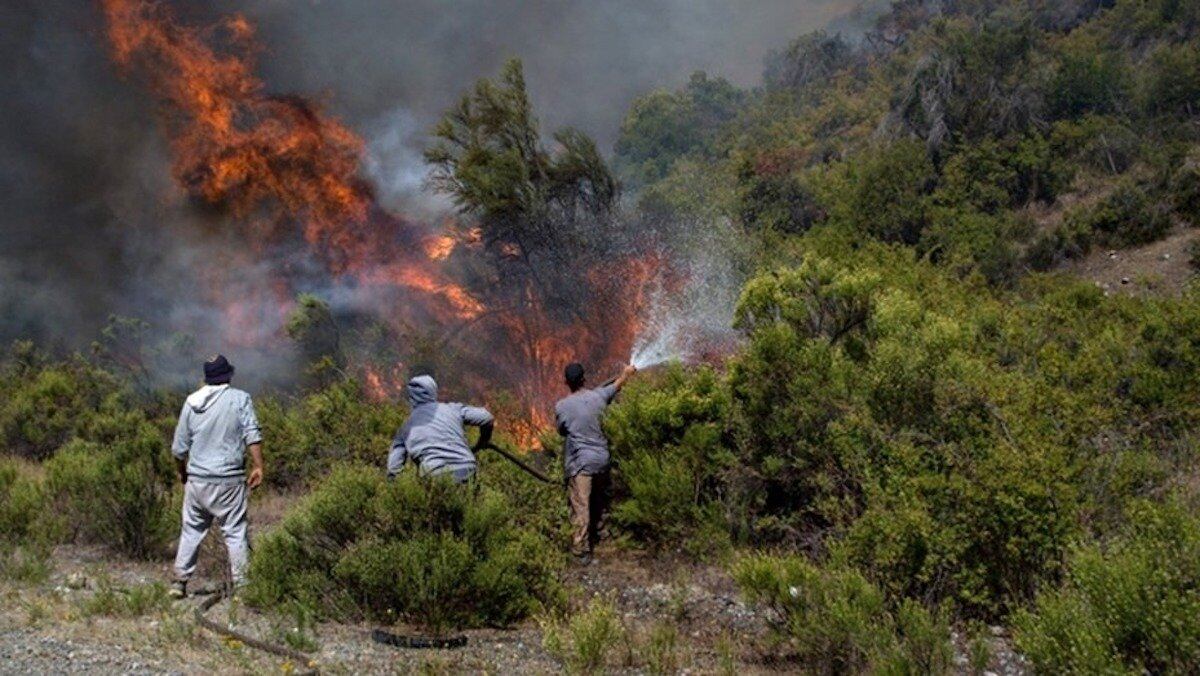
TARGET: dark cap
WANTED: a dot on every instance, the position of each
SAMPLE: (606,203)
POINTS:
(217,370)
(574,374)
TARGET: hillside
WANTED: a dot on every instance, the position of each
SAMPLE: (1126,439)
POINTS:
(947,423)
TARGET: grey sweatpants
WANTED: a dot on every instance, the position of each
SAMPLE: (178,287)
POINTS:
(202,503)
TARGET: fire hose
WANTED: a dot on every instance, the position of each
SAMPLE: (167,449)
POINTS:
(519,463)
(218,628)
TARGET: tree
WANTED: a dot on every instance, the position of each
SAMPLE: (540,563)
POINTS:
(545,218)
(887,192)
(312,326)
(808,62)
(1171,83)
(489,159)
(663,126)
(969,82)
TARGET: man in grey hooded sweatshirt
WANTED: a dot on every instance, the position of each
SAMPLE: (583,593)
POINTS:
(433,437)
(216,427)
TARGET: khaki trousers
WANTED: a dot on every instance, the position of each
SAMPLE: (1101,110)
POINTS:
(588,497)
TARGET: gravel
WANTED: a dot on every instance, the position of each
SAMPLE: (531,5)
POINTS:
(24,651)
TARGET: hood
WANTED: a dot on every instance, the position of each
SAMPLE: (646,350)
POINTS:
(422,390)
(204,397)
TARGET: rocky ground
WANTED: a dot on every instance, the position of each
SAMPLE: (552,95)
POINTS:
(84,618)
(1159,268)
(60,626)
(52,627)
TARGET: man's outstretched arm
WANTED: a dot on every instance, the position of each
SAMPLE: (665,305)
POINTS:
(485,435)
(620,380)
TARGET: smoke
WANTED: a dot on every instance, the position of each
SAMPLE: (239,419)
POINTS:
(93,224)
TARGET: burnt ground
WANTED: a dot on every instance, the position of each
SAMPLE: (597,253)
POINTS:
(46,627)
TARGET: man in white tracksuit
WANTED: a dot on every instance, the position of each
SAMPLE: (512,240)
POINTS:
(216,427)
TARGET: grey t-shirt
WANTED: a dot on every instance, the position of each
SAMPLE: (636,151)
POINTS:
(578,417)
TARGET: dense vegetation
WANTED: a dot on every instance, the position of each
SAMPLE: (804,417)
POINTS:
(426,551)
(927,422)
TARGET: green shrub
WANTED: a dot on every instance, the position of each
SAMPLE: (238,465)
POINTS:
(1071,240)
(27,562)
(790,390)
(984,535)
(584,643)
(1087,79)
(135,601)
(837,622)
(22,502)
(662,649)
(1170,81)
(425,551)
(45,405)
(871,415)
(663,126)
(116,484)
(666,435)
(990,175)
(1128,606)
(27,531)
(1185,189)
(1130,216)
(774,197)
(1098,142)
(337,423)
(967,242)
(886,192)
(534,506)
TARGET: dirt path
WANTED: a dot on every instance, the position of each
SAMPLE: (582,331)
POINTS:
(1158,268)
(48,627)
(53,627)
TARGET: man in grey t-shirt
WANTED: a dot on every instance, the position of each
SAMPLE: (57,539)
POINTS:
(585,455)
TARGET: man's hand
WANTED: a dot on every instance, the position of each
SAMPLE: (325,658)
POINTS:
(254,480)
(181,468)
(485,437)
(628,371)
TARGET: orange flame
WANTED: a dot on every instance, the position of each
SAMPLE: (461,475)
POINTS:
(283,169)
(440,248)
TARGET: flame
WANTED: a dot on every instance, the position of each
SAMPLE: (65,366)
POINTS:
(382,385)
(440,248)
(285,171)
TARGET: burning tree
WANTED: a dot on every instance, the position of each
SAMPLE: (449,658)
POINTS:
(548,232)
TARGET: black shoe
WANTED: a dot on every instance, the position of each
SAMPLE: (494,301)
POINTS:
(178,590)
(583,559)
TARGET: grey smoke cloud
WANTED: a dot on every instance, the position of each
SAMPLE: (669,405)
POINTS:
(91,223)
